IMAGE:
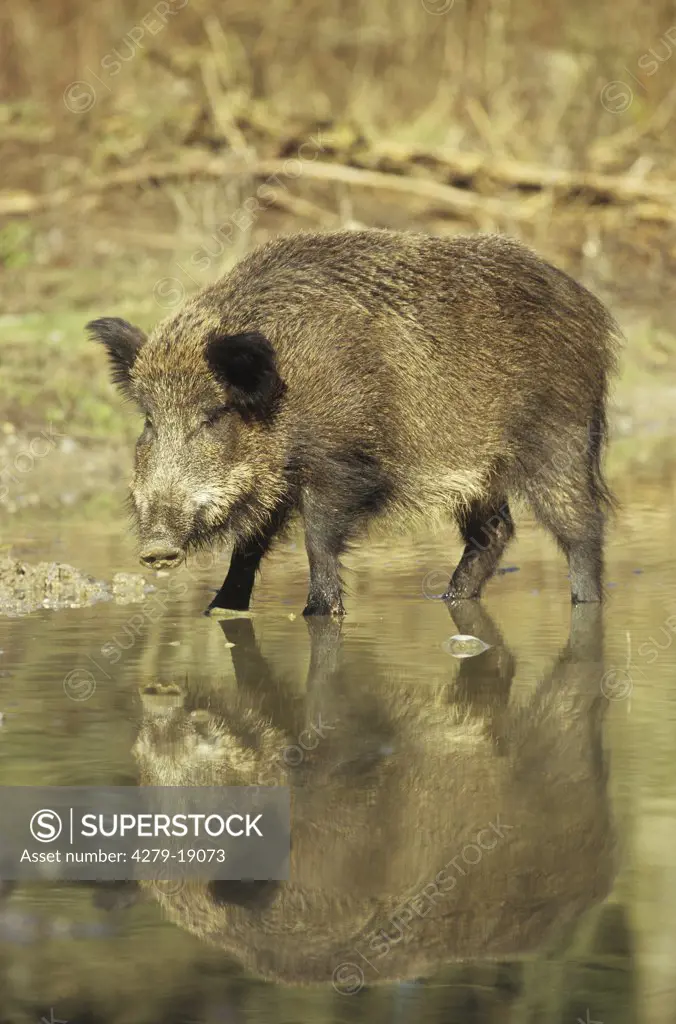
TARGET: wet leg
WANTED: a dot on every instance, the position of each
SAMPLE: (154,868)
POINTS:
(486,528)
(325,541)
(235,593)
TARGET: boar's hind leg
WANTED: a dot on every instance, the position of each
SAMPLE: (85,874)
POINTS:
(486,529)
(235,594)
(570,507)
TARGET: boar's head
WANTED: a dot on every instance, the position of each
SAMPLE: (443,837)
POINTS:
(207,464)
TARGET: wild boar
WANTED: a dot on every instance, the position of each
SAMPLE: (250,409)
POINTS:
(371,376)
(430,823)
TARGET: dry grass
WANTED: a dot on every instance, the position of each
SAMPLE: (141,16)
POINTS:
(144,81)
(517,78)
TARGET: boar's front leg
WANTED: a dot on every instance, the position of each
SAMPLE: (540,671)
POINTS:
(235,594)
(349,487)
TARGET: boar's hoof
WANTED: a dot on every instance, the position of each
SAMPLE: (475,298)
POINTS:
(453,596)
(322,606)
(228,604)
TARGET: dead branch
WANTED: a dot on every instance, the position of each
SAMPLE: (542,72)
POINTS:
(459,201)
(651,200)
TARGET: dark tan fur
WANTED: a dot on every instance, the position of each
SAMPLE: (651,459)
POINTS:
(368,376)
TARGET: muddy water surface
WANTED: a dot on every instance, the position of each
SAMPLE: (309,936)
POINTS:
(560,738)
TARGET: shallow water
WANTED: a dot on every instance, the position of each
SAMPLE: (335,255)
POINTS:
(561,736)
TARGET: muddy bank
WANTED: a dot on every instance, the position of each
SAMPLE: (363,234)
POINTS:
(26,588)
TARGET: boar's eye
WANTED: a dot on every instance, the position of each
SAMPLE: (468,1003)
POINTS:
(213,416)
(148,429)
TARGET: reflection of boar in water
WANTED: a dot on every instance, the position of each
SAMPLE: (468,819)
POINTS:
(364,376)
(428,824)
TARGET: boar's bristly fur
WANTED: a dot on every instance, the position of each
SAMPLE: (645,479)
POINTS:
(363,375)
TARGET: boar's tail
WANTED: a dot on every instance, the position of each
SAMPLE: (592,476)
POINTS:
(598,441)
(598,425)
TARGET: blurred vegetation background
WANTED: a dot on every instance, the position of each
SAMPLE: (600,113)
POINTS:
(510,104)
(146,147)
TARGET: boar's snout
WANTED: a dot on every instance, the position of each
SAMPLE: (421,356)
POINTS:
(161,554)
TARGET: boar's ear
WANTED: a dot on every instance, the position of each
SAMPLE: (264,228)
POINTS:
(123,342)
(246,365)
